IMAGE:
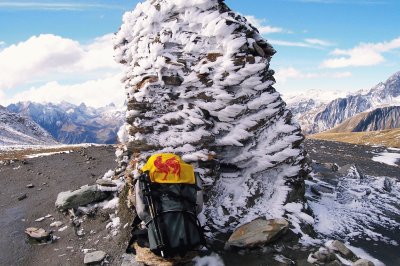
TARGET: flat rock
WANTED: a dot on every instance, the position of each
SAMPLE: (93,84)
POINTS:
(30,185)
(343,250)
(83,196)
(22,197)
(258,232)
(94,257)
(363,262)
(38,234)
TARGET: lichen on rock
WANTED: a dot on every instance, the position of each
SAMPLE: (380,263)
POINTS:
(198,84)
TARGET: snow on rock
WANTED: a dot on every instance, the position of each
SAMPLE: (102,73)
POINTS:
(198,84)
(213,259)
(359,209)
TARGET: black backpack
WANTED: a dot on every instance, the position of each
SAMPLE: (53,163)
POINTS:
(170,214)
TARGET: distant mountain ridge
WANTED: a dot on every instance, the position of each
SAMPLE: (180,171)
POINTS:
(377,119)
(318,116)
(18,130)
(71,124)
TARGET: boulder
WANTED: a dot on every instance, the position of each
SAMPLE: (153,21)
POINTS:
(83,196)
(363,262)
(258,233)
(39,234)
(343,250)
(94,257)
(351,170)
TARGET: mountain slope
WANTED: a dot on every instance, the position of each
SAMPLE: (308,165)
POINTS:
(382,95)
(318,111)
(306,106)
(378,119)
(18,130)
(71,124)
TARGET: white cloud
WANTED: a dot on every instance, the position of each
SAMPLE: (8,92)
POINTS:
(94,93)
(293,44)
(318,42)
(282,75)
(54,6)
(306,43)
(365,54)
(44,56)
(263,29)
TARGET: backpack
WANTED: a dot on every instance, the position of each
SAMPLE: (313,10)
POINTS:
(168,199)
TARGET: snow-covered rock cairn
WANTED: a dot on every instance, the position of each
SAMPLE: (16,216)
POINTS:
(198,84)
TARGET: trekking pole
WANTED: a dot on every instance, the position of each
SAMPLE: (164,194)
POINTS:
(147,193)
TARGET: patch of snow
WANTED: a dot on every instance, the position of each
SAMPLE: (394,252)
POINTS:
(62,228)
(110,173)
(387,158)
(212,260)
(357,209)
(111,204)
(46,154)
(114,224)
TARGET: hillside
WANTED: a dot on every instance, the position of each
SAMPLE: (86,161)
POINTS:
(18,130)
(378,119)
(388,138)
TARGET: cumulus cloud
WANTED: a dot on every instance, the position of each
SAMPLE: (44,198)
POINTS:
(365,54)
(94,93)
(46,55)
(263,29)
(282,75)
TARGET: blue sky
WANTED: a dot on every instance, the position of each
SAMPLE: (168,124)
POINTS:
(62,49)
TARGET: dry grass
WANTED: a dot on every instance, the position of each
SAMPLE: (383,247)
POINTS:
(388,138)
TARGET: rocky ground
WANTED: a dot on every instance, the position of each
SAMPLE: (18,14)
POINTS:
(50,175)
